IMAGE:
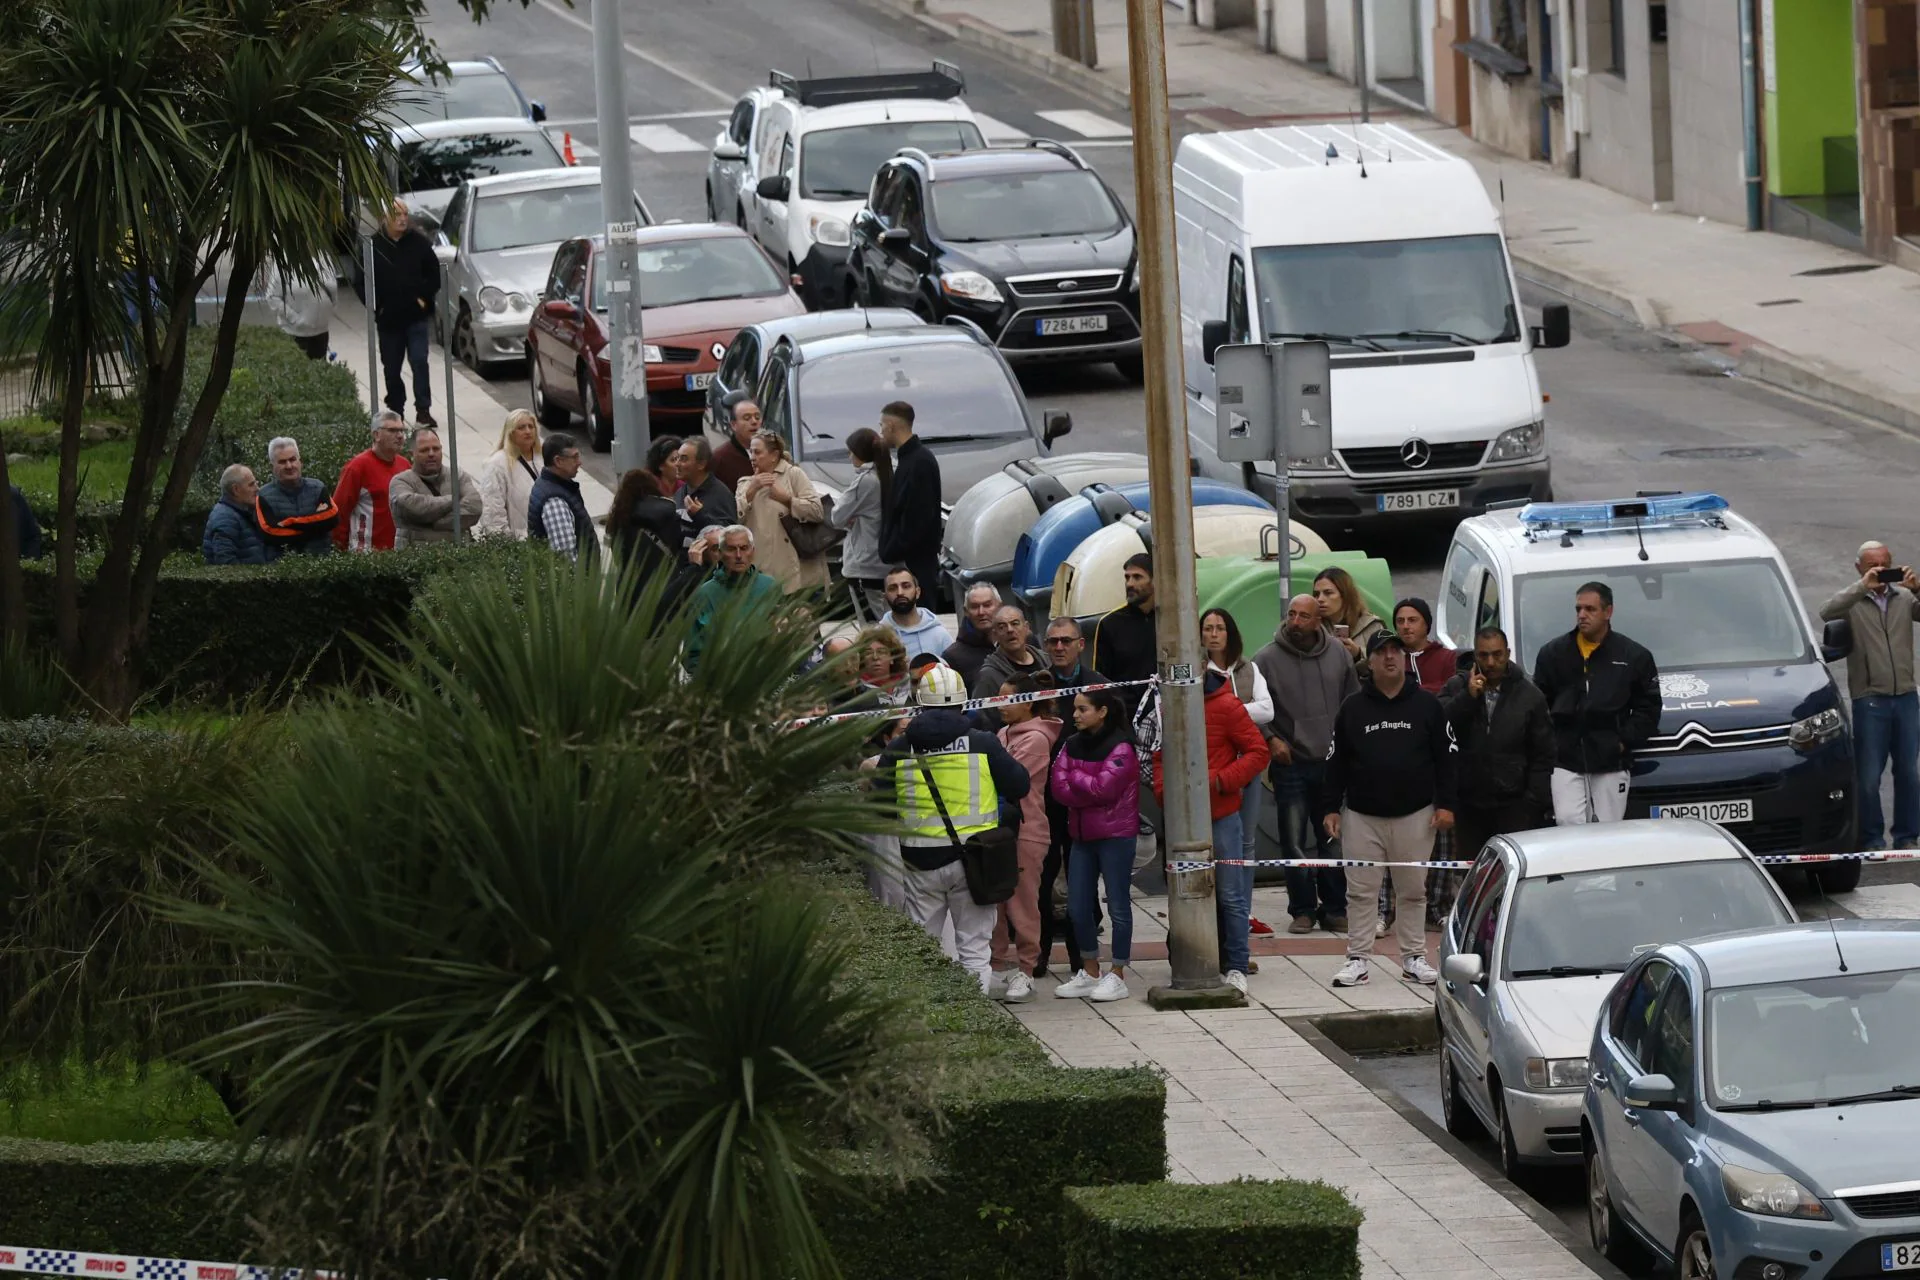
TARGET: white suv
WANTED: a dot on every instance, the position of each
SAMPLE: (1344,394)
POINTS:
(795,160)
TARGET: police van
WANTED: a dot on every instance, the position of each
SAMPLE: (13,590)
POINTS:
(1752,734)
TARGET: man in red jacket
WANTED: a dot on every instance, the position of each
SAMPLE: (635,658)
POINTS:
(1236,755)
(361,494)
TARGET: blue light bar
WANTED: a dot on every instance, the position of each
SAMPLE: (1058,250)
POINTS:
(1666,508)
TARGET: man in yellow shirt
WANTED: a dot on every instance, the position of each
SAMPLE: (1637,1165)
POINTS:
(1603,693)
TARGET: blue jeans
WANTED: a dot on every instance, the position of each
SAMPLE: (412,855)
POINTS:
(407,344)
(1088,863)
(1232,895)
(1249,823)
(1887,728)
(1317,892)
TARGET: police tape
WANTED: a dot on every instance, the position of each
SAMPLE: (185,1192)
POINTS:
(73,1262)
(975,704)
(1767,859)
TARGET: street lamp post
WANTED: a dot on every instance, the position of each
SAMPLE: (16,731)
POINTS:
(626,349)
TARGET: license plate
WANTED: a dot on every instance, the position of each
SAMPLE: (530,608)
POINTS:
(1722,811)
(1902,1256)
(1070,324)
(1419,500)
(698,381)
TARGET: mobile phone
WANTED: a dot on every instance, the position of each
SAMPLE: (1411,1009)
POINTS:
(1889,575)
(1340,630)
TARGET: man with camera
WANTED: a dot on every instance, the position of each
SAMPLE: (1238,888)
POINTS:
(1880,609)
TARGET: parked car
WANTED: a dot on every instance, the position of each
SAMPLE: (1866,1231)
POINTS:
(968,406)
(496,245)
(1752,1105)
(1027,242)
(747,354)
(1543,925)
(435,158)
(699,284)
(985,527)
(472,88)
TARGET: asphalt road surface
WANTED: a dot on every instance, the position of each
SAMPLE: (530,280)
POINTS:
(1628,410)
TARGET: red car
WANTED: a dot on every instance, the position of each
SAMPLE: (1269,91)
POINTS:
(699,285)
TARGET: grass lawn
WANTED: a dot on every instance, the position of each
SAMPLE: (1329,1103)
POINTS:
(103,471)
(112,1106)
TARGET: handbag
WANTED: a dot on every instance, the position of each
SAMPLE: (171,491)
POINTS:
(812,539)
(990,859)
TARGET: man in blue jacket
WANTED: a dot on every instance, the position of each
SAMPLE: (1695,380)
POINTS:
(232,536)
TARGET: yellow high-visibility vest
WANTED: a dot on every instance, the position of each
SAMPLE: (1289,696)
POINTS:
(966,787)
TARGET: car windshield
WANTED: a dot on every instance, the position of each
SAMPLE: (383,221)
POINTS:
(1601,920)
(1453,290)
(516,219)
(1721,613)
(704,270)
(434,163)
(958,390)
(839,164)
(473,97)
(1022,206)
(1815,1040)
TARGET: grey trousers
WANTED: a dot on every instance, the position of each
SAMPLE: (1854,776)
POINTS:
(1408,839)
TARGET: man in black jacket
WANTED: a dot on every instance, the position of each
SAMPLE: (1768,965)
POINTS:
(1500,721)
(406,279)
(1389,786)
(1603,692)
(1124,646)
(969,651)
(910,522)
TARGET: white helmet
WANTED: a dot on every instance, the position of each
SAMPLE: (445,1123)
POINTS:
(941,686)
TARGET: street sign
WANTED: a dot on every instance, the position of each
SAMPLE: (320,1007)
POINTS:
(1272,398)
(1244,418)
(1305,376)
(623,233)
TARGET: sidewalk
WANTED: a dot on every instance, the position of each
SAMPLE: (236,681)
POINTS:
(1850,339)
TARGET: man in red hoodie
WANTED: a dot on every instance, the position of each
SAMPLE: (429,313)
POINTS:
(361,494)
(1431,663)
(1236,755)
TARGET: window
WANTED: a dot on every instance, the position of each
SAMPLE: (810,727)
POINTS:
(1016,206)
(456,215)
(1503,24)
(1598,920)
(1458,593)
(1471,888)
(1814,1039)
(773,137)
(959,390)
(885,200)
(515,220)
(736,370)
(838,164)
(562,267)
(434,164)
(1631,1019)
(740,123)
(1390,294)
(1483,919)
(1237,324)
(574,287)
(912,216)
(704,270)
(1488,612)
(775,405)
(1617,37)
(469,97)
(786,156)
(1669,1050)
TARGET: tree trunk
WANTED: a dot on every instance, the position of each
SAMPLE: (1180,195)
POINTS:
(66,586)
(13,591)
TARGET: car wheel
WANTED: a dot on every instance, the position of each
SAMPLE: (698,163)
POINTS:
(1838,877)
(1693,1256)
(551,415)
(466,347)
(599,424)
(1510,1165)
(1132,368)
(1610,1237)
(1454,1108)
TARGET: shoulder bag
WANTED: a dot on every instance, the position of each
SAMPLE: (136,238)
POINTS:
(990,859)
(812,539)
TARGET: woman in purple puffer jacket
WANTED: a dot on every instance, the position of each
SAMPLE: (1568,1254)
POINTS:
(1097,777)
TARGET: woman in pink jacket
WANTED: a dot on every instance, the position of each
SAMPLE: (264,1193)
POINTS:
(1028,732)
(1097,777)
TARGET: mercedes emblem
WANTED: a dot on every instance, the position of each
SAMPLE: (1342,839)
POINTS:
(1416,453)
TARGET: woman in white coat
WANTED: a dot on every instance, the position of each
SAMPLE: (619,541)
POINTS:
(777,488)
(506,482)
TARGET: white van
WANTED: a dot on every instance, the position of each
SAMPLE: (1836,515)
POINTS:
(1388,249)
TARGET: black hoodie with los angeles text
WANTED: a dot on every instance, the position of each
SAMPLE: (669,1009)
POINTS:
(1391,756)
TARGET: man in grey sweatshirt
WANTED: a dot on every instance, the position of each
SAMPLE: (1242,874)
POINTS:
(1308,675)
(1880,679)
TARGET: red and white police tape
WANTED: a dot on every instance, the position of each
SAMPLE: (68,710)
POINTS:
(1765,859)
(975,704)
(73,1262)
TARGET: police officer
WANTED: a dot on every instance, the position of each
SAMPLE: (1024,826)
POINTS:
(940,760)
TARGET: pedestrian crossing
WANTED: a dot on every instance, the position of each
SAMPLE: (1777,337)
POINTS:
(1073,125)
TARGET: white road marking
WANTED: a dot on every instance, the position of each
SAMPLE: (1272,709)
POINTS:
(664,138)
(710,115)
(1882,901)
(1088,124)
(651,60)
(999,130)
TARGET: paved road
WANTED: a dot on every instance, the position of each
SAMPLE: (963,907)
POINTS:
(1629,411)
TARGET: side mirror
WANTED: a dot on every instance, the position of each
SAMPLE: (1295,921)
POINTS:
(560,309)
(728,149)
(1463,968)
(897,236)
(538,110)
(1213,335)
(1836,640)
(1054,423)
(777,188)
(1555,328)
(1653,1093)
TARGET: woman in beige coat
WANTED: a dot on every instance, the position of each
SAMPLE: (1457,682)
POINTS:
(778,488)
(506,482)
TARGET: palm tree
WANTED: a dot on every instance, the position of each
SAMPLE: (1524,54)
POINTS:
(537,993)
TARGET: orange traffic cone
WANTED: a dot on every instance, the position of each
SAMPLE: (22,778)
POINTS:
(566,149)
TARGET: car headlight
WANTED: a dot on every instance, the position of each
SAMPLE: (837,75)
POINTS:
(651,354)
(1556,1073)
(1323,462)
(519,302)
(1773,1194)
(970,284)
(1816,730)
(1520,442)
(828,231)
(492,299)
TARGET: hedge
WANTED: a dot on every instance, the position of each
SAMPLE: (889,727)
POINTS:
(160,1199)
(1242,1230)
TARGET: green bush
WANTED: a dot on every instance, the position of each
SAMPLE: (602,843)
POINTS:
(165,1199)
(1242,1230)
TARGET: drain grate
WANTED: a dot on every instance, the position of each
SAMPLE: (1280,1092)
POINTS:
(1716,453)
(1853,268)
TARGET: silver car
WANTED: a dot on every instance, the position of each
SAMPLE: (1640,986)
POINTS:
(1544,924)
(496,243)
(435,158)
(747,354)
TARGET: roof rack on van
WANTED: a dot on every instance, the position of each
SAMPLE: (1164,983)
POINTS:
(1663,511)
(944,81)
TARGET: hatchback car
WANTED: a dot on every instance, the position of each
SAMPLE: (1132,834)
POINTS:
(1027,242)
(1753,1105)
(968,407)
(747,355)
(1544,924)
(496,246)
(699,284)
(435,158)
(471,88)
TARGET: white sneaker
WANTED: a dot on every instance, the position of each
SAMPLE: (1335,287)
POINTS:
(1380,928)
(1110,987)
(1080,984)
(1354,973)
(1019,989)
(1418,970)
(1235,979)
